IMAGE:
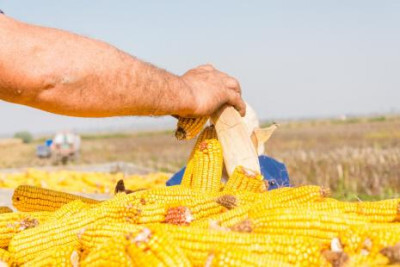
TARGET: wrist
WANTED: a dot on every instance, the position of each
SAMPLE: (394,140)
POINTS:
(184,103)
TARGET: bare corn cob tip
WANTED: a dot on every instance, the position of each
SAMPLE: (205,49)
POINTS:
(337,259)
(179,216)
(188,128)
(245,226)
(325,191)
(120,188)
(143,237)
(228,201)
(392,253)
(28,223)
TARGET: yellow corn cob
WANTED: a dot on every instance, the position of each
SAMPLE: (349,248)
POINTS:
(243,179)
(207,166)
(207,134)
(110,253)
(370,239)
(147,247)
(323,225)
(157,248)
(140,257)
(290,196)
(26,246)
(5,210)
(377,211)
(31,198)
(380,211)
(5,257)
(238,258)
(253,204)
(188,128)
(198,243)
(168,194)
(69,209)
(15,222)
(198,208)
(61,256)
(226,219)
(100,232)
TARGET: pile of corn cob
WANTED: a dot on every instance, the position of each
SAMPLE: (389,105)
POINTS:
(201,222)
(81,182)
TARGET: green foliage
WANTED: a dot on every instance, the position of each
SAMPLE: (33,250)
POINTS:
(25,136)
(377,119)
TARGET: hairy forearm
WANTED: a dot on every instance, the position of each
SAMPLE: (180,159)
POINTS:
(72,75)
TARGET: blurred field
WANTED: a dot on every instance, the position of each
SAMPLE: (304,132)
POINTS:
(356,158)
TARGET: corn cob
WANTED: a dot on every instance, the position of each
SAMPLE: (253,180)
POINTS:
(69,209)
(5,258)
(380,211)
(165,212)
(198,243)
(370,239)
(5,210)
(31,198)
(253,204)
(290,196)
(111,253)
(168,194)
(188,128)
(238,258)
(226,219)
(61,256)
(156,242)
(207,166)
(323,225)
(65,231)
(147,247)
(243,179)
(208,133)
(15,222)
(100,232)
(26,246)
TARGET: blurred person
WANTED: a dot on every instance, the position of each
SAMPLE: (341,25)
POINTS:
(68,74)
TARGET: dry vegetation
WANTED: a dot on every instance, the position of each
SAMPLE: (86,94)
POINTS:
(357,158)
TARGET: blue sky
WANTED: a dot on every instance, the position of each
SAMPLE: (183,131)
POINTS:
(293,58)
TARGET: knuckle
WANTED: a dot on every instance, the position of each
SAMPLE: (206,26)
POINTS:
(208,67)
(233,83)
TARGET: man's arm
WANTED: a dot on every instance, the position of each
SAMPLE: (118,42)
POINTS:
(68,74)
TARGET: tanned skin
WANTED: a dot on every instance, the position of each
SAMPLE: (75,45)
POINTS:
(68,74)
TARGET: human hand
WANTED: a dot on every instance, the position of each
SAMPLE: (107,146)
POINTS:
(209,90)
